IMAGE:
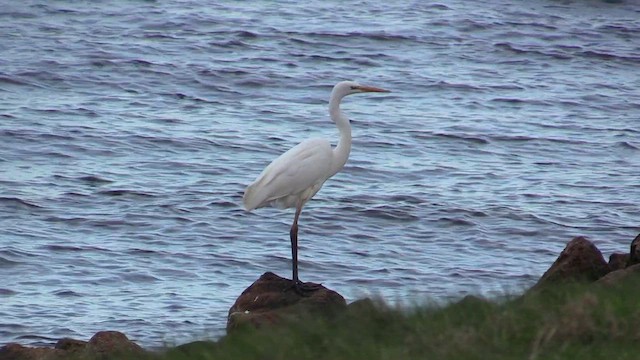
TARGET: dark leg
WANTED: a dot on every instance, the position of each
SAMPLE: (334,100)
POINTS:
(300,287)
(294,245)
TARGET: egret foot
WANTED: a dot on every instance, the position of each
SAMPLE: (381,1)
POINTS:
(305,288)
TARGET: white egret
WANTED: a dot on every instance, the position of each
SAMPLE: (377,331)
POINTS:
(298,174)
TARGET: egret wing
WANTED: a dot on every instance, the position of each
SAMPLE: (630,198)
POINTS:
(295,175)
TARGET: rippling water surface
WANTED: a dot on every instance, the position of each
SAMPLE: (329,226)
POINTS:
(129,130)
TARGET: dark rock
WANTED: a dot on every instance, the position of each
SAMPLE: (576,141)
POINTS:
(618,261)
(473,301)
(361,306)
(272,300)
(18,352)
(69,344)
(103,345)
(195,349)
(620,276)
(579,261)
(111,344)
(634,253)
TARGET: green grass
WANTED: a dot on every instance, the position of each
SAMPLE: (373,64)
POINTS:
(569,322)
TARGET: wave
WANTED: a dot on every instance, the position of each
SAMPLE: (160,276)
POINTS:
(17,15)
(528,138)
(628,145)
(41,75)
(18,202)
(94,179)
(602,55)
(389,212)
(12,80)
(138,277)
(455,221)
(374,35)
(442,84)
(7,292)
(566,52)
(455,136)
(234,43)
(549,53)
(4,262)
(162,36)
(66,293)
(63,248)
(126,192)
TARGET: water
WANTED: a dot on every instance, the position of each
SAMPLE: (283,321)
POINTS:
(129,130)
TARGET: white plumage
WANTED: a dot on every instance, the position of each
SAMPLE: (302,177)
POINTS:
(296,175)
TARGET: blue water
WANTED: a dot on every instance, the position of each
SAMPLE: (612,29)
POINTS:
(129,130)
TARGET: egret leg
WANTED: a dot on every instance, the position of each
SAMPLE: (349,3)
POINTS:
(300,287)
(293,234)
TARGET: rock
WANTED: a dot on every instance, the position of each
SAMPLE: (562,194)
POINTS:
(69,344)
(618,261)
(111,344)
(620,276)
(103,345)
(362,306)
(195,350)
(634,253)
(579,261)
(18,352)
(473,301)
(272,300)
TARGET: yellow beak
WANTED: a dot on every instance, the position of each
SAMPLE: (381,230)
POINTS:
(371,89)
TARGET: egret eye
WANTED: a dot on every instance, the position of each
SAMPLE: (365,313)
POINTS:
(353,87)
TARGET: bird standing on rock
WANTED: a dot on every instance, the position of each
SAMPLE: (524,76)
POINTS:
(298,174)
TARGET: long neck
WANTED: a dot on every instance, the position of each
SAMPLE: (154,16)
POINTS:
(340,152)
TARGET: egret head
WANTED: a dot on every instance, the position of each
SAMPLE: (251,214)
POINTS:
(345,88)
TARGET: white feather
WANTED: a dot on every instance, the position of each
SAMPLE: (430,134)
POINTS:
(294,176)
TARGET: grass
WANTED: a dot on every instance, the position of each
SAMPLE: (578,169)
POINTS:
(576,321)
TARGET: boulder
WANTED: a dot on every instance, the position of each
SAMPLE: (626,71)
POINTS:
(103,345)
(634,253)
(108,344)
(579,261)
(620,276)
(69,344)
(194,350)
(473,301)
(272,300)
(14,351)
(618,261)
(362,306)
